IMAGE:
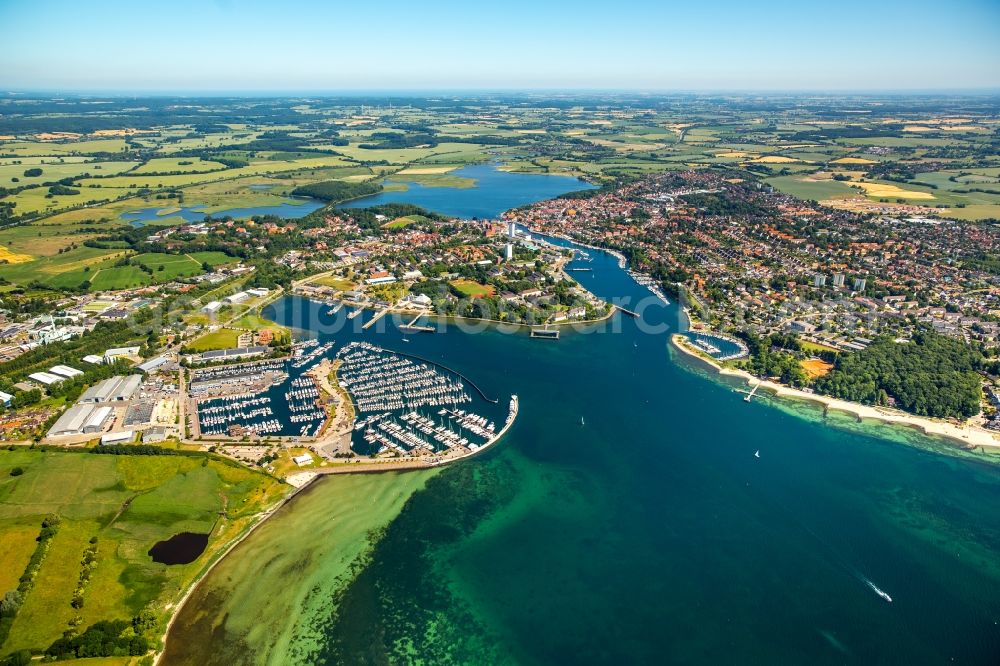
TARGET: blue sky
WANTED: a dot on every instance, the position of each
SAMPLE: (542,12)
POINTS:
(296,45)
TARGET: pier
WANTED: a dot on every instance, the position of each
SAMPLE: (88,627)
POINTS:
(628,312)
(751,392)
(545,333)
(412,326)
(378,315)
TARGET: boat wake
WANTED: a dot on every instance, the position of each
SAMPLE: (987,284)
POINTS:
(876,589)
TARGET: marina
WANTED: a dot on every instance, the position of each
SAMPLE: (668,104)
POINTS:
(409,407)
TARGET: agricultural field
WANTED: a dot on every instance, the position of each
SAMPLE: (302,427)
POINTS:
(121,277)
(53,269)
(166,267)
(128,503)
(55,168)
(812,188)
(932,159)
(173,164)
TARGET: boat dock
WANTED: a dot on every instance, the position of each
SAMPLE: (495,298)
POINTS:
(412,326)
(545,333)
(628,312)
(378,315)
(750,393)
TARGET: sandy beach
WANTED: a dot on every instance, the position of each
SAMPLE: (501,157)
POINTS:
(967,436)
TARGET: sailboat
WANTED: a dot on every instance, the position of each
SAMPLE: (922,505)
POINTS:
(756,453)
(581,421)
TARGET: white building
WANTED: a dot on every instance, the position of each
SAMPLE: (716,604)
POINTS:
(212,307)
(238,297)
(65,371)
(118,437)
(120,352)
(45,378)
(98,419)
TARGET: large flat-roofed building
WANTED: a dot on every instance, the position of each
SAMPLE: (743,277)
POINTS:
(99,417)
(120,352)
(153,363)
(115,389)
(46,378)
(123,437)
(81,418)
(65,371)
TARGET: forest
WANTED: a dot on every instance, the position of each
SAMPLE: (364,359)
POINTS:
(930,376)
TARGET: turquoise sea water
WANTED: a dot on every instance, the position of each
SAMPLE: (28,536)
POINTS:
(495,192)
(652,534)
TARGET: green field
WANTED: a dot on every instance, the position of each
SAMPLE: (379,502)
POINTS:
(123,277)
(403,222)
(128,503)
(818,190)
(337,283)
(52,270)
(53,169)
(170,164)
(169,266)
(223,338)
(472,289)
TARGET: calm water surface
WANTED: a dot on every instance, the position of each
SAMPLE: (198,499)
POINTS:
(144,216)
(649,534)
(495,192)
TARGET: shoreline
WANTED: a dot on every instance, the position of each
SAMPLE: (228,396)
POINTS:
(360,467)
(967,438)
(262,518)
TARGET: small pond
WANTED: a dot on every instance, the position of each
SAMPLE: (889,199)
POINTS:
(182,548)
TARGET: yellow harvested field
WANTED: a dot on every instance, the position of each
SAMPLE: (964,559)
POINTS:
(815,367)
(962,128)
(426,171)
(732,153)
(917,128)
(7,137)
(852,160)
(776,159)
(8,257)
(883,190)
(530,131)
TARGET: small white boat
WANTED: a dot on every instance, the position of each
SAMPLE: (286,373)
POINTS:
(879,592)
(756,453)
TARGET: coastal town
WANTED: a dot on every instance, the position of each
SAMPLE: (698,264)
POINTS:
(305,295)
(744,259)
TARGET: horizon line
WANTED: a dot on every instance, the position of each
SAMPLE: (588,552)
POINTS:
(418,92)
